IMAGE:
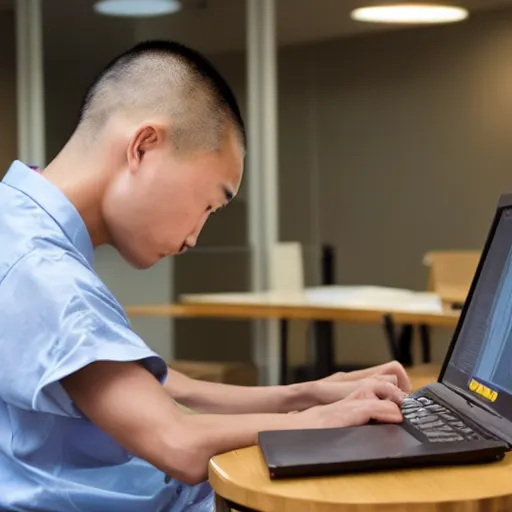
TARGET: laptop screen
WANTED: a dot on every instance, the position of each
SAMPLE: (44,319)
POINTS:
(480,364)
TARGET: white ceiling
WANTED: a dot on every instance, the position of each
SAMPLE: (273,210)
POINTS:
(219,25)
(214,26)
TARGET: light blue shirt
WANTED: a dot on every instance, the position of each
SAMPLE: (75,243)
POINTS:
(56,316)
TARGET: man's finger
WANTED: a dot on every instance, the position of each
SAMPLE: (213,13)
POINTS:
(395,368)
(387,378)
(384,411)
(388,391)
(390,370)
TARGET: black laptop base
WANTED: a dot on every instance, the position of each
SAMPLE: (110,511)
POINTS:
(376,447)
(317,452)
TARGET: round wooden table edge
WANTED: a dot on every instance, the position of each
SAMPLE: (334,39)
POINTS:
(253,498)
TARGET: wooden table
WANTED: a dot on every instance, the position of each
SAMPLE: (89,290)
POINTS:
(286,306)
(240,480)
(447,318)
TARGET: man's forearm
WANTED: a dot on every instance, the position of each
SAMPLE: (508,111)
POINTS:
(129,404)
(210,434)
(212,397)
(125,401)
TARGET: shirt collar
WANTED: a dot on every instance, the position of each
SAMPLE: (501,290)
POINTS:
(53,202)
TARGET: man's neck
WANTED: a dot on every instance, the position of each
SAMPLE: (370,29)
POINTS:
(84,187)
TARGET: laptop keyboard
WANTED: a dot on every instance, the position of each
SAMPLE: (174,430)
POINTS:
(436,422)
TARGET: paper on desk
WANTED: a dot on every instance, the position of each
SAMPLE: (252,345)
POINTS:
(375,297)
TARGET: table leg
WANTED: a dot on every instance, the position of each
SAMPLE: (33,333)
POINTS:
(283,357)
(389,331)
(223,505)
(399,344)
(405,345)
(425,342)
(323,348)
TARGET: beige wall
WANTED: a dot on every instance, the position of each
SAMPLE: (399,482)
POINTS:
(390,145)
(414,147)
(8,116)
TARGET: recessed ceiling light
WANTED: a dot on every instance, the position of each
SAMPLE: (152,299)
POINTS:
(410,13)
(137,8)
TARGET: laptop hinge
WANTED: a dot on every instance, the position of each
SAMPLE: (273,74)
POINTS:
(471,400)
(474,411)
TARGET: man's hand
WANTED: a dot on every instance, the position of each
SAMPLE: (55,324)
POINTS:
(210,397)
(388,379)
(324,392)
(371,401)
(391,372)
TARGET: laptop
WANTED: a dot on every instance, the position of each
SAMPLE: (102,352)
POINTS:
(465,417)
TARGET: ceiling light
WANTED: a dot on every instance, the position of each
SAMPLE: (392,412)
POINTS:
(137,8)
(410,13)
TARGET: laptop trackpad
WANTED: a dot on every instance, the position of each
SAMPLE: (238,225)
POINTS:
(327,446)
(376,442)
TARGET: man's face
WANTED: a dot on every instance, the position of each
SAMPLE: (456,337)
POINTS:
(160,208)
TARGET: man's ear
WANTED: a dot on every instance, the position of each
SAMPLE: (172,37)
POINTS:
(145,138)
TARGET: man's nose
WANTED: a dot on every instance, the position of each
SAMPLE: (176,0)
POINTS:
(191,241)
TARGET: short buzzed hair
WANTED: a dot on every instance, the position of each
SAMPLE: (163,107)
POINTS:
(164,77)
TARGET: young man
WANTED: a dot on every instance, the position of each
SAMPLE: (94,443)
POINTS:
(87,420)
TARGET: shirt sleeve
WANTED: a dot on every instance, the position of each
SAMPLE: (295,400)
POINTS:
(56,317)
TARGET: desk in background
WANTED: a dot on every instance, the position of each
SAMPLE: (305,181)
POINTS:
(322,306)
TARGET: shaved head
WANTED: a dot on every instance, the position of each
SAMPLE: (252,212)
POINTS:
(159,146)
(165,79)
